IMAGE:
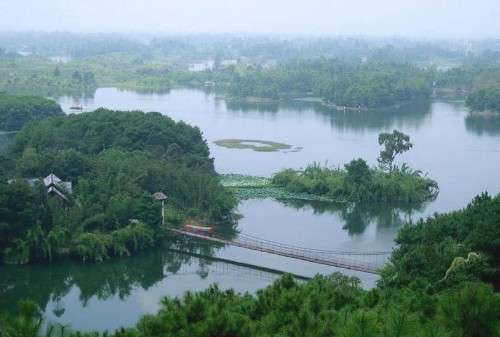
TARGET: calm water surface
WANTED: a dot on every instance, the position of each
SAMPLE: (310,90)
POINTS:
(461,153)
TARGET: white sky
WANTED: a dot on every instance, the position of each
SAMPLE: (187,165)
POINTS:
(417,18)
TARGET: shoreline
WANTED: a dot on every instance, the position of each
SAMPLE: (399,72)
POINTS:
(485,113)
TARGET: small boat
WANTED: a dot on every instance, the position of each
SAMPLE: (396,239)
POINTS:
(76,107)
(198,229)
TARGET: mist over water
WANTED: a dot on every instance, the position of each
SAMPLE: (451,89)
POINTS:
(423,18)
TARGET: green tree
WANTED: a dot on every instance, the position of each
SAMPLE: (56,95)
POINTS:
(394,143)
(473,310)
(27,323)
(358,172)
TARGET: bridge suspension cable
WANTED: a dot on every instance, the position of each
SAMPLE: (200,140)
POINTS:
(334,258)
(323,251)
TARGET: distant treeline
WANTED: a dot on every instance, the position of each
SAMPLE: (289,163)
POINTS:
(341,83)
(213,46)
(353,72)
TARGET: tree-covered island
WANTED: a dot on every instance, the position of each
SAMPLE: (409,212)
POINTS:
(357,182)
(343,84)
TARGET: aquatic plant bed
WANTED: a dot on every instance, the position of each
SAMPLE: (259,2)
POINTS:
(256,145)
(252,187)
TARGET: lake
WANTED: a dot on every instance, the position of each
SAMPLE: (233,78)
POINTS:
(460,152)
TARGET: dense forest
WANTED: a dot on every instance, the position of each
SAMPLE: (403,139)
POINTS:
(17,110)
(446,249)
(486,99)
(115,161)
(436,285)
(341,83)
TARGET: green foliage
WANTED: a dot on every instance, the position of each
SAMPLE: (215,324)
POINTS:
(394,143)
(21,209)
(91,133)
(116,161)
(427,251)
(471,311)
(358,183)
(484,99)
(333,305)
(350,84)
(252,187)
(16,110)
(27,323)
(41,76)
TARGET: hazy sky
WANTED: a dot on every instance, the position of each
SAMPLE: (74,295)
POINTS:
(419,18)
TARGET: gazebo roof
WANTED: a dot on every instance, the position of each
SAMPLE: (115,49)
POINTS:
(159,196)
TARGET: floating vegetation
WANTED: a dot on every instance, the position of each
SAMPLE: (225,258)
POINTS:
(256,145)
(244,181)
(251,187)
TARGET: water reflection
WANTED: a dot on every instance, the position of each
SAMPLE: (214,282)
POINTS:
(412,115)
(116,277)
(487,125)
(246,106)
(156,91)
(358,216)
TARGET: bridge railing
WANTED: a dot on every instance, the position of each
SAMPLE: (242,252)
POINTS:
(337,258)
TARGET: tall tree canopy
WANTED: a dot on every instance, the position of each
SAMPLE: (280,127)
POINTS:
(17,110)
(394,143)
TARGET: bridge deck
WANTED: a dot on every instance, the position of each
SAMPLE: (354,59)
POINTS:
(329,258)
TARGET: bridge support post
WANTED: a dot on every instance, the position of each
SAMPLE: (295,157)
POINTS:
(163,212)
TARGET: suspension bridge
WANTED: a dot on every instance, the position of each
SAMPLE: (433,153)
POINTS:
(368,262)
